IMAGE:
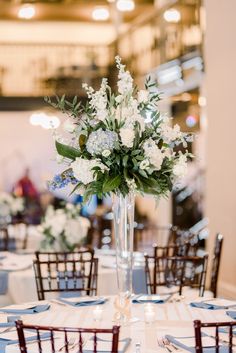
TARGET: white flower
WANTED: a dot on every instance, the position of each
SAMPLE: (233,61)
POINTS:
(144,164)
(180,168)
(106,153)
(82,169)
(127,136)
(69,126)
(170,134)
(143,96)
(131,184)
(154,154)
(119,98)
(125,82)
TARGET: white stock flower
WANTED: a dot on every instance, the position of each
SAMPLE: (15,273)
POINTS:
(180,168)
(69,126)
(82,169)
(143,96)
(154,154)
(106,153)
(127,136)
(170,134)
(125,82)
(144,164)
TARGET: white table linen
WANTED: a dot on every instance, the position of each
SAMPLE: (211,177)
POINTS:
(170,318)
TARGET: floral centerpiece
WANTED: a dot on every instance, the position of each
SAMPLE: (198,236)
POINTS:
(9,207)
(63,228)
(120,144)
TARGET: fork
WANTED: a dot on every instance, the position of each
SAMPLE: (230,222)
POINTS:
(168,343)
(70,344)
(162,345)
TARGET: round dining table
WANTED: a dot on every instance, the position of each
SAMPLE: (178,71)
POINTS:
(174,317)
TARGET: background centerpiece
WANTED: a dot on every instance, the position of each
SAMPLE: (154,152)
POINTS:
(120,144)
(63,229)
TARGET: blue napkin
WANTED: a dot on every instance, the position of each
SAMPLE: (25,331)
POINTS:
(31,310)
(174,340)
(154,298)
(210,306)
(3,282)
(4,342)
(139,280)
(11,244)
(7,324)
(85,302)
(71,283)
(232,314)
(125,341)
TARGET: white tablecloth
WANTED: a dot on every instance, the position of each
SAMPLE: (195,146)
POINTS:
(171,318)
(22,287)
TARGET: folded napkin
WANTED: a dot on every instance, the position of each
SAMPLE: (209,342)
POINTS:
(4,341)
(232,314)
(3,282)
(11,246)
(214,304)
(188,343)
(139,280)
(104,346)
(26,310)
(83,301)
(154,298)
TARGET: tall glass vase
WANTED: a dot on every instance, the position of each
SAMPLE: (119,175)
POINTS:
(123,217)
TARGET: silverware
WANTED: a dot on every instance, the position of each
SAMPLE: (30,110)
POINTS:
(69,345)
(167,342)
(138,347)
(162,345)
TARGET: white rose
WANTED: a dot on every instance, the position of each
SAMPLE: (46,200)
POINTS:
(127,136)
(144,164)
(106,153)
(143,96)
(69,126)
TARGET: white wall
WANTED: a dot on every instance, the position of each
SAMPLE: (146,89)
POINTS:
(220,56)
(23,145)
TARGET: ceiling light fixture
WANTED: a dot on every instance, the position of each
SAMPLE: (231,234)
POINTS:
(26,12)
(125,5)
(172,15)
(100,14)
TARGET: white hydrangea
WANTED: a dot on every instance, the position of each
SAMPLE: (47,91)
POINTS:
(127,136)
(153,153)
(10,205)
(55,220)
(143,96)
(180,168)
(101,140)
(82,169)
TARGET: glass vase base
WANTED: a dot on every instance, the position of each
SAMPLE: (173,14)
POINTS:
(123,314)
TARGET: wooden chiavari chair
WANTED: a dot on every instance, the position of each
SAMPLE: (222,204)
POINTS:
(66,334)
(59,272)
(228,326)
(179,271)
(216,264)
(4,239)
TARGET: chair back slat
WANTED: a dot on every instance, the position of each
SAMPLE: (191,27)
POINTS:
(177,271)
(66,272)
(227,326)
(216,263)
(66,345)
